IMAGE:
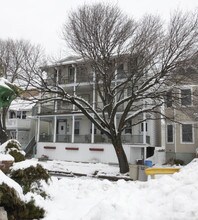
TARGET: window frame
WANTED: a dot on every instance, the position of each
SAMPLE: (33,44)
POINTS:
(128,129)
(181,134)
(173,130)
(76,128)
(181,99)
(169,99)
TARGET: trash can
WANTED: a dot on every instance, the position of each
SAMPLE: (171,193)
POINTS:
(133,171)
(141,173)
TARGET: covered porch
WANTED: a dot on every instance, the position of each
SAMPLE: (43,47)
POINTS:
(77,129)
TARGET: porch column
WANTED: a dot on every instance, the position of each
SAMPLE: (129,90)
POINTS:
(38,129)
(73,124)
(92,133)
(163,128)
(93,105)
(56,82)
(144,132)
(74,87)
(55,125)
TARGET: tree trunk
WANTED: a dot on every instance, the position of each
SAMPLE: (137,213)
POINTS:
(122,159)
(3,133)
(3,136)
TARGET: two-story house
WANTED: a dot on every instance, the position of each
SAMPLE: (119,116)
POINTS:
(63,132)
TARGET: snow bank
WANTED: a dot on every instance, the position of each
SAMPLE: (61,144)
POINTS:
(24,164)
(82,168)
(168,198)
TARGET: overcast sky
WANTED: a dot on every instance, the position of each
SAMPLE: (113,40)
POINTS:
(40,21)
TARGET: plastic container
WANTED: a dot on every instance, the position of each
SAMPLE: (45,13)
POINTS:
(148,163)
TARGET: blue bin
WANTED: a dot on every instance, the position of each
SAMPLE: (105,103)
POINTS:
(148,163)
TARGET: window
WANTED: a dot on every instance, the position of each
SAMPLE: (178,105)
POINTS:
(120,71)
(186,98)
(12,114)
(142,127)
(169,99)
(187,133)
(128,129)
(170,133)
(71,71)
(19,114)
(77,127)
(131,90)
(23,114)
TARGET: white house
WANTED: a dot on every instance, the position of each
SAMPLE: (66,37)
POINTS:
(19,122)
(63,132)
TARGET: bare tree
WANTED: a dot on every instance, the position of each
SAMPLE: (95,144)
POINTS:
(18,62)
(105,39)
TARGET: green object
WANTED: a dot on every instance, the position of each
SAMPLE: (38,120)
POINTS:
(8,92)
(6,96)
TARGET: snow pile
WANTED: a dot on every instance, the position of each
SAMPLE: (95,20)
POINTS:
(6,157)
(81,168)
(172,197)
(24,164)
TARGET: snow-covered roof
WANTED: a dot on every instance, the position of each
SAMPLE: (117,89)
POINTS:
(21,105)
(65,61)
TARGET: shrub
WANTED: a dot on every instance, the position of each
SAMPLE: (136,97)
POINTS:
(174,161)
(15,207)
(14,149)
(29,177)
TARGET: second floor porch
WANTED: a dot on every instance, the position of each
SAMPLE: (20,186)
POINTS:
(16,123)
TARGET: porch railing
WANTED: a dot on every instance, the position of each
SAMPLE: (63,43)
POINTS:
(98,138)
(45,138)
(135,139)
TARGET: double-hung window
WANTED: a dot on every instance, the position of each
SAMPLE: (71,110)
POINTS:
(187,133)
(77,127)
(169,133)
(186,97)
(169,99)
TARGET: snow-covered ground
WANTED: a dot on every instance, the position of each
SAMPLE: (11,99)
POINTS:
(173,197)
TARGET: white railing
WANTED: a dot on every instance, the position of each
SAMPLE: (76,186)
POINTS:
(18,123)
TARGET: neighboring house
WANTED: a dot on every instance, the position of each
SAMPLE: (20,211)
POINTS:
(19,122)
(65,133)
(181,132)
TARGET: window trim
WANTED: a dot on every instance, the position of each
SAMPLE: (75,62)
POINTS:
(181,133)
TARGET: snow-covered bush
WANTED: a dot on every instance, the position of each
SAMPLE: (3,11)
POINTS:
(30,177)
(13,148)
(12,199)
(174,161)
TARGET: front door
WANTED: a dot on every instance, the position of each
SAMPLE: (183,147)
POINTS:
(62,126)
